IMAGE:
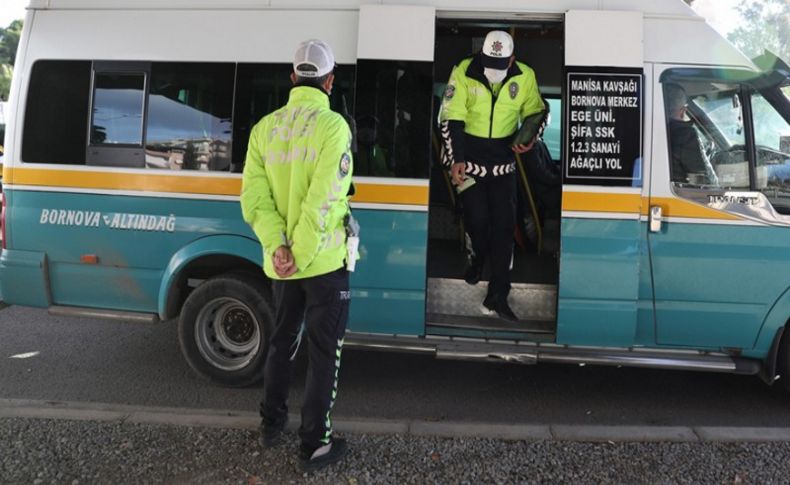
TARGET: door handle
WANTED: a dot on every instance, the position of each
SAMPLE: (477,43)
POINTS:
(655,218)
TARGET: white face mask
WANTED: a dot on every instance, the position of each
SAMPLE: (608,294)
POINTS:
(495,75)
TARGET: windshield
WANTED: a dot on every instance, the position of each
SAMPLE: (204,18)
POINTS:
(770,129)
(722,109)
(772,137)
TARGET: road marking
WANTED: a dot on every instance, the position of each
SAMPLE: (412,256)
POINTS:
(213,418)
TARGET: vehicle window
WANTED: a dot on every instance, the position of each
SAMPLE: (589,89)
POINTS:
(706,135)
(772,137)
(189,116)
(770,129)
(118,103)
(552,133)
(393,113)
(263,88)
(57,112)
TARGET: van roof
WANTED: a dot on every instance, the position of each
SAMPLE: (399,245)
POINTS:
(649,7)
(664,19)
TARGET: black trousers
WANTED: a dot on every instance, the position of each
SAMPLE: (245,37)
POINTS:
(490,218)
(322,303)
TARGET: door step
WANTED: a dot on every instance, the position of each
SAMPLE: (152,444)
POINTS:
(489,323)
(454,297)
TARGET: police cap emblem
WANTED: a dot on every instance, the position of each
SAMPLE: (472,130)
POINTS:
(513,90)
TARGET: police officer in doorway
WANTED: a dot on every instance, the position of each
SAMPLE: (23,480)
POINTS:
(487,97)
(295,188)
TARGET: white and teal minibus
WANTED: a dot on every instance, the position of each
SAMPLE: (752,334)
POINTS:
(128,127)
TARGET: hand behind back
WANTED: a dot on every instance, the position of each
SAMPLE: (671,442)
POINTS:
(284,264)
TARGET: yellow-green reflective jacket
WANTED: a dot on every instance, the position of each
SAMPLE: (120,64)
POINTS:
(295,184)
(490,115)
(469,98)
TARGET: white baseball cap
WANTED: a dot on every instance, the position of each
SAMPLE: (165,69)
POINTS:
(313,58)
(497,49)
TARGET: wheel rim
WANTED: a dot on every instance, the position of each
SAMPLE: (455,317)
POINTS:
(227,333)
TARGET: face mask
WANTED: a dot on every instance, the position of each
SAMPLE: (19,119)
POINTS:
(495,75)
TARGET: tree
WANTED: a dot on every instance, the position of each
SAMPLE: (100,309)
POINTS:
(5,81)
(9,41)
(766,25)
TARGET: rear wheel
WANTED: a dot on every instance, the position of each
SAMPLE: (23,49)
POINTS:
(223,328)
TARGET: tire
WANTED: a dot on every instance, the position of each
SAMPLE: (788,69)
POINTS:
(223,329)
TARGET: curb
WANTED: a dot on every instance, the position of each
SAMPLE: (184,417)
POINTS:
(87,411)
(673,434)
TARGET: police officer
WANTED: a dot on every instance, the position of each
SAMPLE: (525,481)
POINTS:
(488,95)
(295,197)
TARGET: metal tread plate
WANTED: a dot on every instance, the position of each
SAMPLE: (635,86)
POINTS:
(489,323)
(455,297)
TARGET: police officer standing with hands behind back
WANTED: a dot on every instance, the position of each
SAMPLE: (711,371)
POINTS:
(295,188)
(487,97)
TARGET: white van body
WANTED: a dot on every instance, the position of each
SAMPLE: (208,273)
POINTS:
(648,266)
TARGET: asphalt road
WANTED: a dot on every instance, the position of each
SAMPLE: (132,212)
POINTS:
(139,364)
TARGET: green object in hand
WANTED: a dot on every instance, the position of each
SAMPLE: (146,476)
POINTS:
(529,129)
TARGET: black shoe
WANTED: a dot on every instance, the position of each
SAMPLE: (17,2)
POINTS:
(473,272)
(489,304)
(309,463)
(503,310)
(271,436)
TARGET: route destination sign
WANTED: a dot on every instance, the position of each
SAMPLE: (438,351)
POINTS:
(604,128)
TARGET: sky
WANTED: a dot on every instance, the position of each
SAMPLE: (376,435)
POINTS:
(11,10)
(720,14)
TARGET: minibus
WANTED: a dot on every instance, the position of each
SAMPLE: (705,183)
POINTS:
(127,132)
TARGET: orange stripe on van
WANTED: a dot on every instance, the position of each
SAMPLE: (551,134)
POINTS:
(391,194)
(635,203)
(601,202)
(126,181)
(366,192)
(675,207)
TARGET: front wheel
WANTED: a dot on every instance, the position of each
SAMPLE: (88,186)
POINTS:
(223,329)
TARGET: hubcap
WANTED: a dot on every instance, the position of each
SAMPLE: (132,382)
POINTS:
(227,333)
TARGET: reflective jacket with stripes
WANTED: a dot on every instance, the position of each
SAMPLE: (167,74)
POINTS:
(478,120)
(296,180)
